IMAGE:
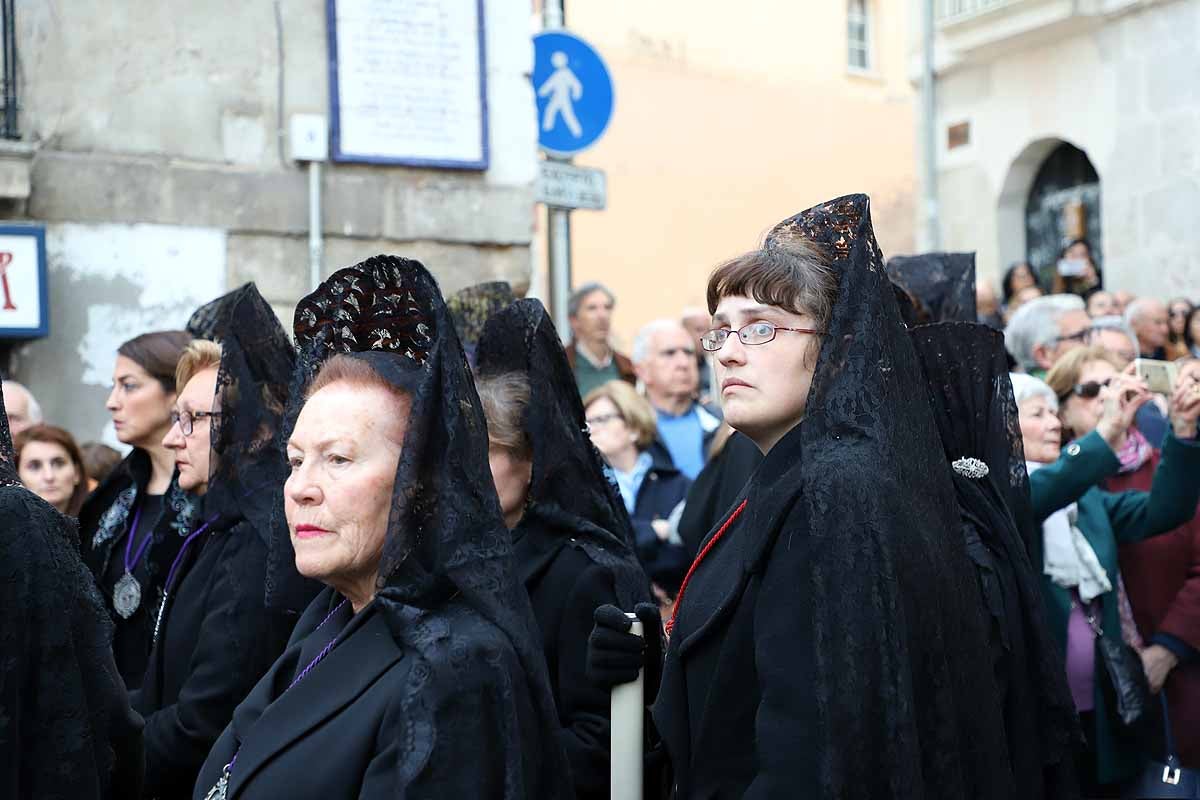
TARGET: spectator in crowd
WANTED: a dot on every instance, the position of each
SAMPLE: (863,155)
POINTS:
(1081,527)
(987,305)
(1044,329)
(1177,316)
(1123,298)
(1082,276)
(24,411)
(1147,316)
(1022,297)
(51,466)
(1191,333)
(1018,276)
(1101,304)
(1162,579)
(99,460)
(590,354)
(698,321)
(1118,340)
(664,356)
(622,426)
(1111,333)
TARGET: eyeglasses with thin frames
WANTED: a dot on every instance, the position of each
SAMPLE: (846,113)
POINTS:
(186,420)
(755,333)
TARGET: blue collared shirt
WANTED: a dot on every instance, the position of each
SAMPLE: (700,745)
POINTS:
(630,482)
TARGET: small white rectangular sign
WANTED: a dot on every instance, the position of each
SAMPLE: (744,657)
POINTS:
(568,186)
(23,290)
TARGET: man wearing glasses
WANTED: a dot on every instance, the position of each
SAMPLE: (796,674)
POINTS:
(1044,329)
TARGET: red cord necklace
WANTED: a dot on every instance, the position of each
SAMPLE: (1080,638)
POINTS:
(704,552)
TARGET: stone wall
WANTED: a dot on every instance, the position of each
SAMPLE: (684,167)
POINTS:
(160,125)
(1120,87)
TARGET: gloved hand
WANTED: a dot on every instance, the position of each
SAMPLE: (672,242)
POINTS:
(615,655)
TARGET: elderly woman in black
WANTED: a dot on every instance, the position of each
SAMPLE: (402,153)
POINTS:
(228,608)
(133,525)
(416,672)
(572,536)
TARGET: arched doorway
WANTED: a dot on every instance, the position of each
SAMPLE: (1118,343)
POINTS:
(1063,204)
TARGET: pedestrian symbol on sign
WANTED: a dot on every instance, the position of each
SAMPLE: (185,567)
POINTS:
(563,89)
(574,92)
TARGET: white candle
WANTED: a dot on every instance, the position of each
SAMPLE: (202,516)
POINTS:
(628,707)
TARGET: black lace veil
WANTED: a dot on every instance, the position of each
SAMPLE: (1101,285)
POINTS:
(471,307)
(976,413)
(900,680)
(247,468)
(943,283)
(446,540)
(66,728)
(568,487)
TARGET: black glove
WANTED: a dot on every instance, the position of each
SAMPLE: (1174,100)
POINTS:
(615,655)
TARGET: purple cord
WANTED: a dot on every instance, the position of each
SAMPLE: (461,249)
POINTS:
(137,517)
(179,556)
(300,676)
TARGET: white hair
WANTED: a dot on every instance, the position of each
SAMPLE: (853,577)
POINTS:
(1114,322)
(641,345)
(1036,323)
(33,408)
(1140,306)
(1027,386)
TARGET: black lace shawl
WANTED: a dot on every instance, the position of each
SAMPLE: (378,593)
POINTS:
(942,283)
(569,492)
(447,551)
(902,697)
(976,414)
(248,467)
(470,309)
(66,728)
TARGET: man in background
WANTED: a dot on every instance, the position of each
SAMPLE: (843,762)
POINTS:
(591,356)
(23,409)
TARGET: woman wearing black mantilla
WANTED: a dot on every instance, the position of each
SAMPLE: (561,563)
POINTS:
(417,672)
(572,539)
(66,728)
(827,641)
(232,594)
(134,524)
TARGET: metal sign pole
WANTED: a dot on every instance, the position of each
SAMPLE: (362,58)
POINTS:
(558,228)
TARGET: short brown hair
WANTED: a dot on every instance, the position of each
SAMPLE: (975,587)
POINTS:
(790,272)
(504,398)
(199,355)
(357,372)
(1065,373)
(51,434)
(157,353)
(633,408)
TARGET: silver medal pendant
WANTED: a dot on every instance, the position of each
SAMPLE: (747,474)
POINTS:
(217,792)
(127,596)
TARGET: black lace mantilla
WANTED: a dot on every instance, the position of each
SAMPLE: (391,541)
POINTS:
(447,551)
(942,283)
(470,309)
(568,490)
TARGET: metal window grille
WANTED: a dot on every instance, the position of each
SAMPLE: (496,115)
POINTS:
(955,9)
(8,81)
(858,35)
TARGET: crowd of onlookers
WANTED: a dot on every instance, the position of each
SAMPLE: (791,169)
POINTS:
(1122,546)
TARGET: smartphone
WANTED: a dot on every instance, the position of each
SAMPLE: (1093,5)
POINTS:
(1071,267)
(1158,375)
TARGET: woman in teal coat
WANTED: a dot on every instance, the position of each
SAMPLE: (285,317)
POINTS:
(1082,526)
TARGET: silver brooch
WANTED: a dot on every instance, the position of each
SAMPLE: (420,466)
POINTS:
(971,468)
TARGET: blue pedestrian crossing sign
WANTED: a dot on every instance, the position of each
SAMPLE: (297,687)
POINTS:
(574,93)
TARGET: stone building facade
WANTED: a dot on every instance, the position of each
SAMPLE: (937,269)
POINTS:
(155,146)
(1020,83)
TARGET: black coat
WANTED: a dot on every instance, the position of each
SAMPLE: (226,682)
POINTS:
(215,640)
(663,488)
(711,496)
(565,587)
(347,728)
